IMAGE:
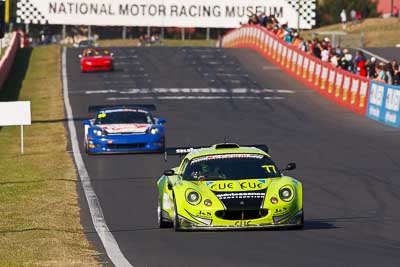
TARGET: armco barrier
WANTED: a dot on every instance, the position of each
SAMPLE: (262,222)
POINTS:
(342,87)
(384,104)
(7,60)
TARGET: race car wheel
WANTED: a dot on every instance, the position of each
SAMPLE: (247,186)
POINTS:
(162,150)
(161,221)
(301,225)
(177,226)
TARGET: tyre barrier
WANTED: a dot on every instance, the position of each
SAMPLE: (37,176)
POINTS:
(7,60)
(346,89)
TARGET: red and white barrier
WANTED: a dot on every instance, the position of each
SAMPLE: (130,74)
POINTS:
(344,88)
(7,60)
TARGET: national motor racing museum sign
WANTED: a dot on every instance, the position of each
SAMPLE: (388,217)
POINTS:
(164,13)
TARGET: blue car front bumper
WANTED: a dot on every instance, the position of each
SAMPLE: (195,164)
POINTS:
(125,143)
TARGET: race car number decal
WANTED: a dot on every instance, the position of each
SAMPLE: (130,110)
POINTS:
(242,223)
(269,168)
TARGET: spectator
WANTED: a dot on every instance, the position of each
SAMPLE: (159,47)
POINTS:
(396,77)
(253,20)
(296,39)
(361,70)
(395,12)
(343,19)
(288,36)
(334,59)
(304,45)
(389,73)
(316,48)
(353,14)
(371,68)
(347,62)
(264,20)
(360,62)
(338,51)
(358,16)
(381,73)
(325,54)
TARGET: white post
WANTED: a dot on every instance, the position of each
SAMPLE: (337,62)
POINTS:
(22,139)
(89,32)
(208,34)
(123,32)
(183,34)
(64,32)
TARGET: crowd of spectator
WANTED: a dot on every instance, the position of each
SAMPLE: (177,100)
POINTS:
(340,58)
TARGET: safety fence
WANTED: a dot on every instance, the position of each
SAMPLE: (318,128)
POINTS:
(7,60)
(346,89)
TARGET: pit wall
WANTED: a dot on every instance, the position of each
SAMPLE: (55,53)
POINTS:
(346,89)
(7,60)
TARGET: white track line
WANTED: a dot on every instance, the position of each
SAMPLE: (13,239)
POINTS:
(193,97)
(110,244)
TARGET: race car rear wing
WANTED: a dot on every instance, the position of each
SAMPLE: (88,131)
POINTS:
(149,107)
(182,151)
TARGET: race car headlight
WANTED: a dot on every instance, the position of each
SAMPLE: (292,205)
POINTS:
(193,197)
(154,131)
(98,132)
(88,63)
(286,193)
(207,202)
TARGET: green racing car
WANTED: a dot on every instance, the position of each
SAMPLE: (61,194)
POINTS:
(227,186)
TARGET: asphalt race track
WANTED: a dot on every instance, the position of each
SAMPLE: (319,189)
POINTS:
(349,165)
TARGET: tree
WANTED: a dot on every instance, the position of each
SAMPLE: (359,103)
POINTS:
(328,10)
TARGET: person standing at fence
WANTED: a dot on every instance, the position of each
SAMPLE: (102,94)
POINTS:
(343,19)
(371,68)
(353,14)
(396,72)
(389,73)
(381,73)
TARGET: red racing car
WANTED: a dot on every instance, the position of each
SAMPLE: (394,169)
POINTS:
(96,59)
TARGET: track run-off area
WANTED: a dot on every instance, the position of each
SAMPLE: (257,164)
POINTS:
(349,165)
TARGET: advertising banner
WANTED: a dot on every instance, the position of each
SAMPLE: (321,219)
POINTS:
(384,104)
(164,13)
(18,113)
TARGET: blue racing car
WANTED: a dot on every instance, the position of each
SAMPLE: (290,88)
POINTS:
(124,129)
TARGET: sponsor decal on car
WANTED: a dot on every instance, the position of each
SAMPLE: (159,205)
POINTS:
(227,156)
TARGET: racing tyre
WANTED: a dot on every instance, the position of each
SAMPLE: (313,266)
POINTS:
(85,145)
(162,223)
(301,225)
(162,150)
(177,226)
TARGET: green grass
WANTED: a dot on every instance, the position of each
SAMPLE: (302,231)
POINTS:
(378,32)
(39,211)
(165,42)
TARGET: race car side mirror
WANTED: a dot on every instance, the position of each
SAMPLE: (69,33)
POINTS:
(169,173)
(290,166)
(80,55)
(86,122)
(161,121)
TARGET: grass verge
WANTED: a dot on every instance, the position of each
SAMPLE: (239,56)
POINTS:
(39,211)
(165,42)
(378,32)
